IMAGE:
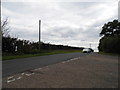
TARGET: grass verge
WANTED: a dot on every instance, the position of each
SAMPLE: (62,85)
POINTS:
(113,54)
(12,56)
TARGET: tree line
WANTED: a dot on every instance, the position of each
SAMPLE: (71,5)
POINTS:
(110,41)
(18,46)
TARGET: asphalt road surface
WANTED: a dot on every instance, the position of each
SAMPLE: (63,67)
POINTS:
(15,66)
(90,71)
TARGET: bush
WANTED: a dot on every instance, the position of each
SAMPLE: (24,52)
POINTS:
(110,44)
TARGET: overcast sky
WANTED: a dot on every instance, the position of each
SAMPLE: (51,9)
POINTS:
(67,23)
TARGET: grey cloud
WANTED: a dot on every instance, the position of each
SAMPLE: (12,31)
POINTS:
(72,33)
(69,22)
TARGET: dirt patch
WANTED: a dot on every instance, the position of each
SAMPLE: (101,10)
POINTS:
(92,71)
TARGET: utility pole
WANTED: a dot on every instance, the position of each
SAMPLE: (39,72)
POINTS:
(90,45)
(39,33)
(119,11)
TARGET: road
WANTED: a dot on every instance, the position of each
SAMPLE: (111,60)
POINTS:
(90,71)
(15,66)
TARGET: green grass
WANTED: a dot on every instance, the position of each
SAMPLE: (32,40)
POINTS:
(12,56)
(113,54)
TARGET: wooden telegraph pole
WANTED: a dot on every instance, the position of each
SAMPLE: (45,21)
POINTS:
(39,33)
(90,45)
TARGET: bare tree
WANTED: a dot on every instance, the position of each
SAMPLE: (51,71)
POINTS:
(5,28)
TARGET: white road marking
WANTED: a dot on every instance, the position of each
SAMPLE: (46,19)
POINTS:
(71,60)
(8,81)
(28,74)
(10,77)
(18,78)
(22,73)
